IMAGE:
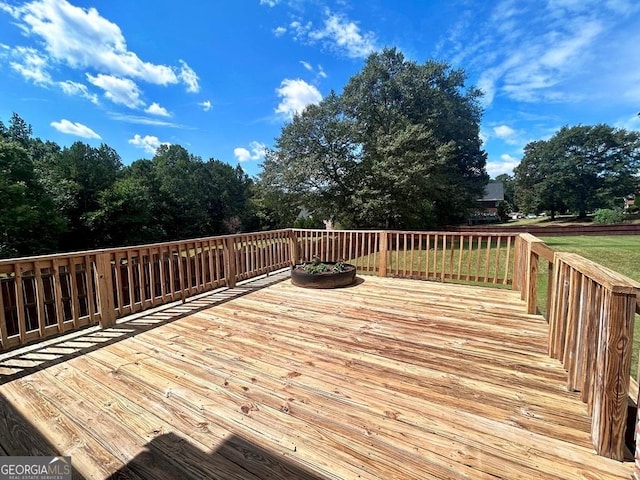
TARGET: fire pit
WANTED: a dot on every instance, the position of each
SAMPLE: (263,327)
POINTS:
(320,274)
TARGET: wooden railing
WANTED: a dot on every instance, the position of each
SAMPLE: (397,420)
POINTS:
(485,258)
(45,296)
(590,309)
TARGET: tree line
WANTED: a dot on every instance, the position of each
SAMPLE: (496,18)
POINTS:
(83,197)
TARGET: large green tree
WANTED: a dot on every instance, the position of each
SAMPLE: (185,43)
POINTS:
(580,168)
(29,223)
(314,163)
(398,148)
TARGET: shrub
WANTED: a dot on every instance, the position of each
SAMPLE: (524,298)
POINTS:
(608,216)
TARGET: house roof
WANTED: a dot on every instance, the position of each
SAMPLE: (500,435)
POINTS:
(494,191)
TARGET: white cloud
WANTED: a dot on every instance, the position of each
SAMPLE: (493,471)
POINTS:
(78,89)
(506,165)
(141,120)
(307,66)
(345,36)
(31,65)
(269,3)
(156,109)
(189,77)
(148,143)
(547,52)
(257,152)
(338,33)
(280,31)
(77,129)
(82,38)
(122,91)
(206,105)
(507,134)
(296,95)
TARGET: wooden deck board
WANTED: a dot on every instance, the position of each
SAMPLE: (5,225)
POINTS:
(387,379)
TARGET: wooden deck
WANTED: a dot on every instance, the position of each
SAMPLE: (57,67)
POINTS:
(388,379)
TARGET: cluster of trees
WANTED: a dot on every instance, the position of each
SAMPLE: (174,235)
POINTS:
(398,148)
(80,197)
(578,170)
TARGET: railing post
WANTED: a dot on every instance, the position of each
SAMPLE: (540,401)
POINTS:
(383,244)
(526,267)
(104,282)
(611,387)
(293,247)
(229,255)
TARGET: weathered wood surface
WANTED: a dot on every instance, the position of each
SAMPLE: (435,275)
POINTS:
(387,379)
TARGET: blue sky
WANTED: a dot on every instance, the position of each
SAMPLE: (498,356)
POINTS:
(221,78)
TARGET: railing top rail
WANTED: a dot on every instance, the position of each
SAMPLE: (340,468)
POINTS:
(610,279)
(324,230)
(415,232)
(527,237)
(82,253)
(543,250)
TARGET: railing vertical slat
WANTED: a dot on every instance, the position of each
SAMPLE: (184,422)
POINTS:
(91,305)
(3,319)
(75,310)
(19,289)
(461,238)
(57,281)
(444,257)
(487,259)
(451,254)
(577,373)
(37,267)
(593,332)
(507,264)
(434,272)
(570,341)
(496,268)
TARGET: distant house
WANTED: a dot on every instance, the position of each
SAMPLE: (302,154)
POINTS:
(487,208)
(629,202)
(493,193)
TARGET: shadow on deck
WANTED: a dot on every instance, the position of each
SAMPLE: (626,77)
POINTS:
(21,362)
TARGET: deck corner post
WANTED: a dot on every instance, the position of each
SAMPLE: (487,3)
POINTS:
(104,283)
(611,387)
(384,246)
(294,250)
(229,255)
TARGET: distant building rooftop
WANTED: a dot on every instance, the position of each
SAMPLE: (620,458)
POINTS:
(493,192)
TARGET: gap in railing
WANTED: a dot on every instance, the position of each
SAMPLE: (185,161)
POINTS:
(542,279)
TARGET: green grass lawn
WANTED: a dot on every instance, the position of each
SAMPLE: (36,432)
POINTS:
(617,252)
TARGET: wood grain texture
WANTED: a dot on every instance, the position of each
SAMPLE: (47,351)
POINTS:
(387,379)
